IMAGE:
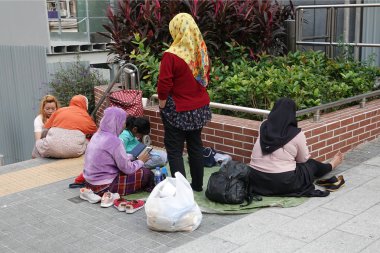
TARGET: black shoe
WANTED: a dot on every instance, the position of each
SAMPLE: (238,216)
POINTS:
(196,189)
(336,186)
(318,193)
(329,181)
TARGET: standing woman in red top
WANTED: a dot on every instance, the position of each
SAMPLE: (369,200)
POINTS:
(183,99)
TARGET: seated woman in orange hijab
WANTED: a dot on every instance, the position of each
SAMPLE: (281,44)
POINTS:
(68,128)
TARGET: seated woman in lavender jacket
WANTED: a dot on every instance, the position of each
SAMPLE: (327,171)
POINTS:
(107,167)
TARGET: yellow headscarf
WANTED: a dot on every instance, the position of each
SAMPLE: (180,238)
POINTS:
(189,45)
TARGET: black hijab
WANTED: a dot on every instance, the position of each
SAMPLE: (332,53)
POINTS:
(280,127)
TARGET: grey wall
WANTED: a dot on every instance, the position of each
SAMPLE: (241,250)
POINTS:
(23,78)
(23,22)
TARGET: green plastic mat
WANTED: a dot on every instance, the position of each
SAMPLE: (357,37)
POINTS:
(208,206)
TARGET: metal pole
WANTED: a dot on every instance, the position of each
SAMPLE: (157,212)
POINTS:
(87,23)
(357,29)
(290,25)
(58,8)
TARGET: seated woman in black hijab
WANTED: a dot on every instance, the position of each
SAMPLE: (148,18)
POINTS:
(280,157)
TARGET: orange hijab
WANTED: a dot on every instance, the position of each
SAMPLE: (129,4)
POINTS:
(73,117)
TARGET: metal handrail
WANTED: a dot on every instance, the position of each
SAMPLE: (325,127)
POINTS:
(231,107)
(330,26)
(315,109)
(344,101)
(112,83)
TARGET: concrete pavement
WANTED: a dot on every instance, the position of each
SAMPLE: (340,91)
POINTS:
(49,217)
(346,221)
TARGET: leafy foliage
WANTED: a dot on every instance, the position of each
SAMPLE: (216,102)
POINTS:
(307,77)
(258,25)
(74,80)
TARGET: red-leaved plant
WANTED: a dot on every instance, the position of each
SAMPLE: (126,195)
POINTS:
(257,25)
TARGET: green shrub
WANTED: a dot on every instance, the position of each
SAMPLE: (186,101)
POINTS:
(74,80)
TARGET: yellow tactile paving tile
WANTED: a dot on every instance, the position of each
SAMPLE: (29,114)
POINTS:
(21,180)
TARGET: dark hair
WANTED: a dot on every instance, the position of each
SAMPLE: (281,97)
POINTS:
(142,124)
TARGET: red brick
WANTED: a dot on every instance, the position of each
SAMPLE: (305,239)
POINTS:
(155,120)
(345,149)
(248,146)
(246,160)
(363,136)
(314,153)
(233,143)
(340,131)
(375,119)
(224,148)
(332,141)
(215,125)
(359,118)
(320,158)
(325,150)
(345,136)
(365,122)
(325,136)
(318,145)
(352,127)
(318,131)
(233,129)
(153,125)
(307,134)
(346,122)
(333,126)
(312,140)
(223,134)
(238,158)
(242,152)
(338,145)
(214,139)
(375,132)
(358,131)
(208,130)
(371,114)
(370,127)
(243,138)
(208,144)
(352,140)
(250,132)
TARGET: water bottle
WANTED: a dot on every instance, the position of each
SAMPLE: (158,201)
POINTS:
(157,176)
(164,173)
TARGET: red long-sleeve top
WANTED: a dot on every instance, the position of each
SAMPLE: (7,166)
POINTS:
(176,79)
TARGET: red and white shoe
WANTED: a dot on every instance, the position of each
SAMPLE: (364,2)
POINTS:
(120,204)
(134,205)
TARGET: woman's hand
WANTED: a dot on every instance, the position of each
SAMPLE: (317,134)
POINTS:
(144,157)
(161,104)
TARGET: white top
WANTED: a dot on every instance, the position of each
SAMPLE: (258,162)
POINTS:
(283,159)
(38,124)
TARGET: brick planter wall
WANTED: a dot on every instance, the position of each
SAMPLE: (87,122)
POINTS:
(341,130)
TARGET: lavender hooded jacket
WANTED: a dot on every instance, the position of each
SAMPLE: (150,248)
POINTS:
(105,156)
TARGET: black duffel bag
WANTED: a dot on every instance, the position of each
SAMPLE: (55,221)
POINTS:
(231,184)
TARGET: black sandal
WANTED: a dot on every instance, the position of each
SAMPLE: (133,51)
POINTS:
(336,186)
(329,181)
(76,185)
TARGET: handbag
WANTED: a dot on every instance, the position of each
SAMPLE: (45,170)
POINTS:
(129,100)
(209,156)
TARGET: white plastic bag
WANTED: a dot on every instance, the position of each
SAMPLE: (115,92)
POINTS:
(171,206)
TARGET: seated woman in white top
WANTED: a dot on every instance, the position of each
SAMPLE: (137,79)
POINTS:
(48,105)
(280,157)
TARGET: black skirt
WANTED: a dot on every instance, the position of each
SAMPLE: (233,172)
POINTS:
(296,183)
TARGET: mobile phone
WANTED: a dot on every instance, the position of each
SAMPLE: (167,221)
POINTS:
(148,149)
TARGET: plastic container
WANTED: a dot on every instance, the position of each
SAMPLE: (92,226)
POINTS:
(157,176)
(164,173)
